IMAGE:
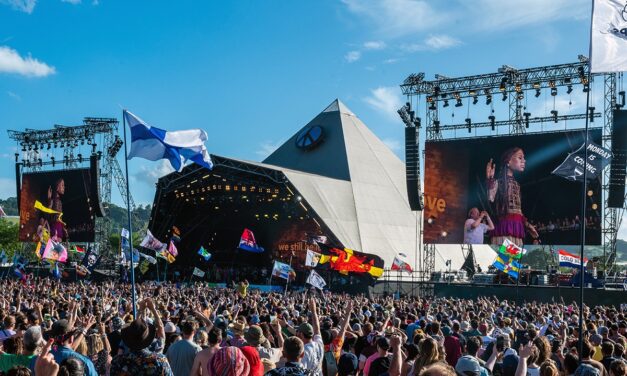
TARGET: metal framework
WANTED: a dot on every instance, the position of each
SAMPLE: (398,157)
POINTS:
(513,84)
(68,138)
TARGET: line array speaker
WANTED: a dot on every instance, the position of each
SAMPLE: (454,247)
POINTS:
(412,168)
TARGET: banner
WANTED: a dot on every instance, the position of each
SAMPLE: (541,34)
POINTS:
(144,266)
(282,270)
(125,234)
(198,273)
(507,265)
(91,259)
(148,258)
(54,251)
(312,258)
(151,242)
(316,280)
(172,249)
(127,255)
(247,242)
(574,164)
(204,253)
(510,249)
(608,39)
(349,261)
(167,256)
(400,263)
(176,235)
(77,249)
(569,260)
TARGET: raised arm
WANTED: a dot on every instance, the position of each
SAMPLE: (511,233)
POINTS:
(314,316)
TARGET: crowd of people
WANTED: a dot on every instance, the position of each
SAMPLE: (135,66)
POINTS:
(51,328)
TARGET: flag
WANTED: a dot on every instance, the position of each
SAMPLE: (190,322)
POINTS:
(172,249)
(203,252)
(19,268)
(177,147)
(345,260)
(510,249)
(507,265)
(125,233)
(313,238)
(144,266)
(176,235)
(312,258)
(608,39)
(316,280)
(151,242)
(2,213)
(77,249)
(573,166)
(400,263)
(198,273)
(282,270)
(91,259)
(148,258)
(167,256)
(247,242)
(40,206)
(127,255)
(40,249)
(54,251)
(3,257)
(54,269)
(569,260)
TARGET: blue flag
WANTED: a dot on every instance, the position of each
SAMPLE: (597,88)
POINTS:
(177,147)
(203,252)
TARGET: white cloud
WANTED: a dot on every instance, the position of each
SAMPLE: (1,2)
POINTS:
(392,143)
(71,1)
(12,62)
(25,6)
(14,96)
(440,42)
(352,56)
(395,18)
(385,100)
(390,61)
(149,174)
(374,45)
(268,147)
(7,188)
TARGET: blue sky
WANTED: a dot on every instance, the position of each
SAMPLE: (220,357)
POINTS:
(251,73)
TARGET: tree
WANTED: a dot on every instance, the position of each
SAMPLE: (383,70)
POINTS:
(9,237)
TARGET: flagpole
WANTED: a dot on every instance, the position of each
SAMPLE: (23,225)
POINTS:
(583,219)
(130,228)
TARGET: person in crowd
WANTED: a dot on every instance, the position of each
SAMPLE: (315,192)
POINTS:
(293,352)
(203,358)
(182,353)
(228,361)
(66,339)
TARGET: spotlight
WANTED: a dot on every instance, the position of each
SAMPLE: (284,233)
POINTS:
(459,103)
(488,99)
(586,87)
(538,92)
(570,89)
(429,99)
(536,85)
(492,121)
(445,103)
(430,220)
(52,159)
(553,91)
(444,233)
(621,94)
(554,113)
(23,148)
(591,113)
(436,125)
(504,96)
(432,107)
(502,85)
(469,125)
(520,96)
(526,115)
(475,100)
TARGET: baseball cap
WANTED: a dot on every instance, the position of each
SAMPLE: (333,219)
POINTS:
(306,329)
(33,337)
(468,365)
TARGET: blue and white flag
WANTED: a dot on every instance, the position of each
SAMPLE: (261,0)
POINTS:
(176,146)
(282,270)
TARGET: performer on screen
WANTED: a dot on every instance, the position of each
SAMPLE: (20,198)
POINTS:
(58,231)
(474,228)
(504,193)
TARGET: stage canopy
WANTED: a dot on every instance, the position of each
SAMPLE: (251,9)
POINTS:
(332,178)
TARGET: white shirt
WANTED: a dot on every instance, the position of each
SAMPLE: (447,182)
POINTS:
(474,235)
(314,351)
(272,354)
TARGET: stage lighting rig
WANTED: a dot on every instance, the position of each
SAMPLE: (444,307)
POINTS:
(459,103)
(527,115)
(504,96)
(554,113)
(488,99)
(469,125)
(492,119)
(621,95)
(591,113)
(553,91)
(445,103)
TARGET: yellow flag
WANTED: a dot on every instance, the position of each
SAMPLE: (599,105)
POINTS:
(40,206)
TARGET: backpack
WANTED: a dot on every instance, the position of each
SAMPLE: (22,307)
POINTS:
(329,364)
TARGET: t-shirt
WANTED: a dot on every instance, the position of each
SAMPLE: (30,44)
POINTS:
(314,351)
(8,361)
(6,333)
(181,356)
(474,235)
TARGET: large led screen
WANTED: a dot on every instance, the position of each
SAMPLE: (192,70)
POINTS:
(485,190)
(56,204)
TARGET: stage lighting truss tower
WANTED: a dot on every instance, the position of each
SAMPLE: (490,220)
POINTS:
(68,138)
(515,84)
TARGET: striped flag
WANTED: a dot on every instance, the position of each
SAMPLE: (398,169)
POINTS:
(400,263)
(507,265)
(569,260)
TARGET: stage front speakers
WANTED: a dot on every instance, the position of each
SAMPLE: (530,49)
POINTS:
(412,168)
(94,194)
(616,191)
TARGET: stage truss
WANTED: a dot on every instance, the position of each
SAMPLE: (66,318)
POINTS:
(512,84)
(101,135)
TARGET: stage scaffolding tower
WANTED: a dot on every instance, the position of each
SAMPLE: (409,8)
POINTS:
(67,138)
(513,84)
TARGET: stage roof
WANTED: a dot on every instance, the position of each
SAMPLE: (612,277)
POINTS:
(355,184)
